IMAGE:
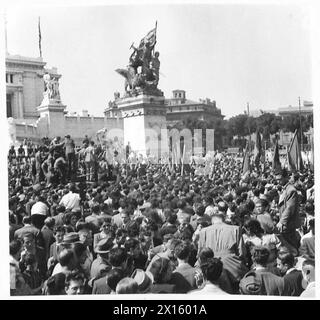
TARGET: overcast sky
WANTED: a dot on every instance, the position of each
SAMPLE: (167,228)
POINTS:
(233,54)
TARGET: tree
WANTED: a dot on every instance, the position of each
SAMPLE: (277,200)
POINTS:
(268,123)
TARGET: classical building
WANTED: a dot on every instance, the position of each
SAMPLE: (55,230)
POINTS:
(180,108)
(25,86)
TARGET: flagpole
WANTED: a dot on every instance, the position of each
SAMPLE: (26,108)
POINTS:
(6,37)
(39,30)
(249,140)
(301,136)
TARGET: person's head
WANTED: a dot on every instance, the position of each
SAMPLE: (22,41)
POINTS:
(49,222)
(308,271)
(67,259)
(282,177)
(133,247)
(118,258)
(199,209)
(85,234)
(72,218)
(113,277)
(182,251)
(133,229)
(74,283)
(161,270)
(311,225)
(29,242)
(126,286)
(217,217)
(253,227)
(143,279)
(80,252)
(171,244)
(56,284)
(212,269)
(261,206)
(30,261)
(205,254)
(222,207)
(285,262)
(72,188)
(26,220)
(260,255)
(125,216)
(15,249)
(59,233)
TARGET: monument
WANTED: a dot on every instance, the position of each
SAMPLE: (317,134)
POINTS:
(51,106)
(143,104)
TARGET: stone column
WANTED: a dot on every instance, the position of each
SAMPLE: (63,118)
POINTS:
(20,103)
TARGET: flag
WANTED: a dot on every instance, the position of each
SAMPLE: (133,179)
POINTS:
(276,164)
(294,154)
(257,149)
(39,29)
(151,38)
(312,153)
(246,161)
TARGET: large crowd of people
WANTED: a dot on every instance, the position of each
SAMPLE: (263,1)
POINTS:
(82,224)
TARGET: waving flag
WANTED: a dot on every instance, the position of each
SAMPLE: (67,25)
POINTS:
(257,149)
(276,164)
(150,37)
(294,154)
(246,161)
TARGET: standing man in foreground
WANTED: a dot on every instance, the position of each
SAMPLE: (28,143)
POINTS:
(289,212)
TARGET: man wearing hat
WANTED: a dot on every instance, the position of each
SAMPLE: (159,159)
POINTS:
(100,266)
(144,280)
(118,260)
(289,211)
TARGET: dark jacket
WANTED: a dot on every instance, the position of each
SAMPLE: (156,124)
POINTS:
(163,288)
(293,283)
(289,209)
(264,282)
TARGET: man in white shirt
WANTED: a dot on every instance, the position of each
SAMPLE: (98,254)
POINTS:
(307,243)
(39,207)
(308,272)
(71,201)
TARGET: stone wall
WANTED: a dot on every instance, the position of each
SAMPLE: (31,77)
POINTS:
(54,123)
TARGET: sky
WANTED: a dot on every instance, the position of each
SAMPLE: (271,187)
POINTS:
(232,54)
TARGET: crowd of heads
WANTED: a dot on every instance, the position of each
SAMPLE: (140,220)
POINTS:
(74,225)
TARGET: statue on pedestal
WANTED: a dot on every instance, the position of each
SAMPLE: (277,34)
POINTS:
(52,87)
(142,73)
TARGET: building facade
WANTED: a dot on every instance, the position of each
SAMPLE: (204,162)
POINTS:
(25,86)
(180,108)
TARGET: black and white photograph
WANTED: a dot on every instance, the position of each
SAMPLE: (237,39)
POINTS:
(154,150)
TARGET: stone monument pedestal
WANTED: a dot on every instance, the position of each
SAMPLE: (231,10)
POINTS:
(53,110)
(143,118)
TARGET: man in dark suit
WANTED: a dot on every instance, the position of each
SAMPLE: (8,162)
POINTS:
(291,276)
(117,259)
(289,211)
